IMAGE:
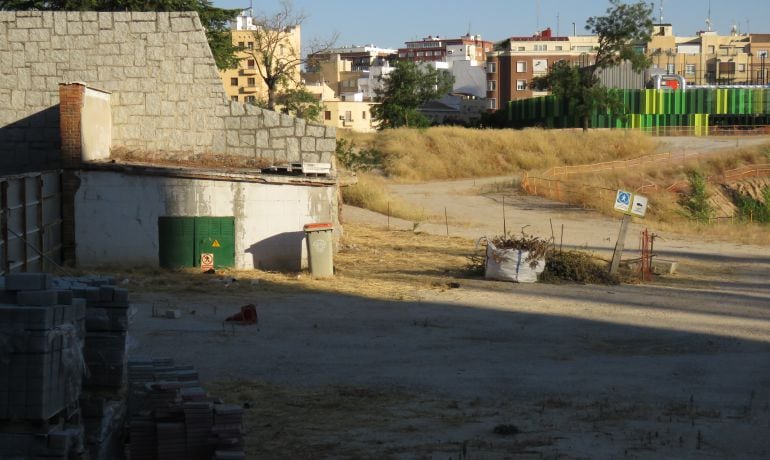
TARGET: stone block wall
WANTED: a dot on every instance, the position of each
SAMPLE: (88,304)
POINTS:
(166,91)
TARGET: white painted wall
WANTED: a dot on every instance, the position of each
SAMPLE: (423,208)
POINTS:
(116,217)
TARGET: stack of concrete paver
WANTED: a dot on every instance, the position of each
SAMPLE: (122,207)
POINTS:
(41,368)
(171,415)
(105,355)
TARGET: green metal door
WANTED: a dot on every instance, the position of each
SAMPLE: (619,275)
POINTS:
(215,235)
(175,237)
(182,240)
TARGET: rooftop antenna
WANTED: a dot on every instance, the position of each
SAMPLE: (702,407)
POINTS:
(662,3)
(537,16)
(558,24)
(709,22)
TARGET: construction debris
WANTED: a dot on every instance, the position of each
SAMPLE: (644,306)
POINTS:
(247,315)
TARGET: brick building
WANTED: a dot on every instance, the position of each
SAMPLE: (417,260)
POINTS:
(511,67)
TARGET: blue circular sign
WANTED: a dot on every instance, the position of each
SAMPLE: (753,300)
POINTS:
(624,197)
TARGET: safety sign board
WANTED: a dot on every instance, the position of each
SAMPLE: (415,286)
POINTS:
(207,261)
(216,244)
(628,203)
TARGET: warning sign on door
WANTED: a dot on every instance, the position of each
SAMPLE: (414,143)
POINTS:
(216,244)
(207,261)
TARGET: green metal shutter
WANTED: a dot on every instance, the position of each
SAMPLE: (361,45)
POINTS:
(215,235)
(175,237)
(182,240)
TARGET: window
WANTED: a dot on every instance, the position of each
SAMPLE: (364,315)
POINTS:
(492,104)
(492,67)
(689,69)
(281,50)
(251,45)
(521,48)
(252,82)
(251,99)
(251,64)
(402,55)
(420,53)
(521,66)
(670,69)
(327,115)
(492,85)
(521,85)
(234,81)
(559,48)
(363,115)
(741,67)
(234,98)
(541,47)
(348,115)
(712,50)
(240,44)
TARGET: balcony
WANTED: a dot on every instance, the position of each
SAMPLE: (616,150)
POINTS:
(249,71)
(251,89)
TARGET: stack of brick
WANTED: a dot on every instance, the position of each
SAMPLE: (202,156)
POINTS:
(107,321)
(41,368)
(105,354)
(171,416)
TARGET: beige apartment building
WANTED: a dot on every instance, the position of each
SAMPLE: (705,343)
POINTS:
(245,84)
(347,95)
(709,58)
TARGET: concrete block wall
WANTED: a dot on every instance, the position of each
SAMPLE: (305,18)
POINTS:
(166,92)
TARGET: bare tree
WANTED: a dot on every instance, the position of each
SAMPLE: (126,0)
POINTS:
(276,57)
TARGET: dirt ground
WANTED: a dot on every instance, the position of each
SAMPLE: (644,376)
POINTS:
(464,368)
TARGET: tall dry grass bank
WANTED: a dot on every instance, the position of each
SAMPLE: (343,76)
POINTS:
(442,153)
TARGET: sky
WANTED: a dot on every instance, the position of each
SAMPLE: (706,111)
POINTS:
(390,23)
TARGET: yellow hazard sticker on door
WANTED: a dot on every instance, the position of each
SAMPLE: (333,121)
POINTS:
(216,244)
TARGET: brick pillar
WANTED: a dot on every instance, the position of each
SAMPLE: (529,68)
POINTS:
(71,97)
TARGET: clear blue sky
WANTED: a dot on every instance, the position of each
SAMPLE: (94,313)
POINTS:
(389,23)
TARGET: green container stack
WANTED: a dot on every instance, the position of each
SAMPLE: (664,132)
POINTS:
(654,109)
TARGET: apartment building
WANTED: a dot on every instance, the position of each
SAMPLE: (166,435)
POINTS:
(707,58)
(347,95)
(511,67)
(244,84)
(466,48)
(361,58)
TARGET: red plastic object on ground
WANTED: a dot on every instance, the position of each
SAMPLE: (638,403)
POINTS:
(247,315)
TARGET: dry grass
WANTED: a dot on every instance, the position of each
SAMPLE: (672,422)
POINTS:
(592,191)
(371,192)
(451,153)
(186,159)
(372,263)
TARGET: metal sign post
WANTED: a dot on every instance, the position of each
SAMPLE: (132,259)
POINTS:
(630,205)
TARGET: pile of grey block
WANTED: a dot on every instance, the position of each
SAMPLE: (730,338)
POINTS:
(172,417)
(105,353)
(42,331)
(63,365)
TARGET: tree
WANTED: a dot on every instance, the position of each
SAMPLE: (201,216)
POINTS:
(300,103)
(406,88)
(620,32)
(277,59)
(214,20)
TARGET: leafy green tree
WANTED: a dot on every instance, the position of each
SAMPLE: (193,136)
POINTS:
(406,88)
(300,103)
(621,31)
(214,20)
